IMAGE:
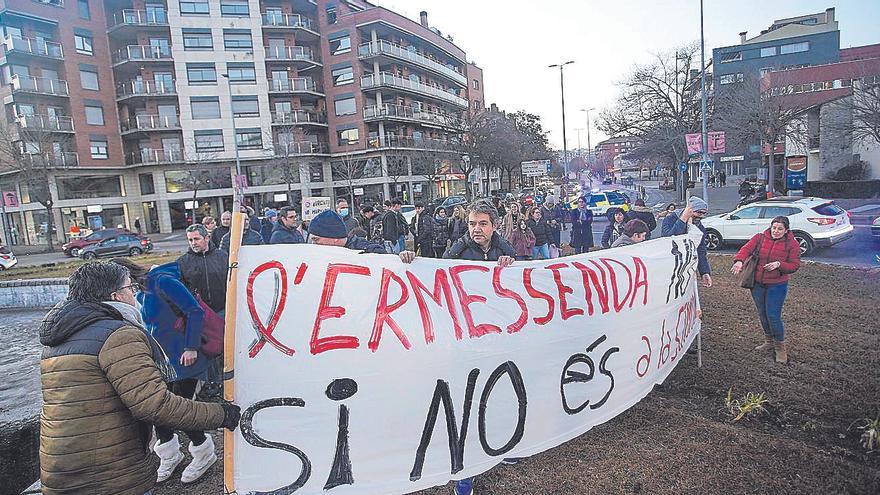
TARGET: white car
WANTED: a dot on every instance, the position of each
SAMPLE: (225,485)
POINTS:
(7,258)
(408,212)
(815,222)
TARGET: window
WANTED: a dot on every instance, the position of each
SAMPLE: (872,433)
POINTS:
(83,8)
(476,84)
(90,186)
(731,78)
(343,76)
(331,15)
(88,79)
(205,107)
(209,140)
(98,149)
(83,44)
(340,45)
(201,74)
(731,57)
(236,8)
(146,183)
(245,106)
(476,104)
(197,39)
(94,115)
(237,39)
(194,7)
(747,213)
(346,106)
(347,137)
(779,211)
(794,48)
(249,138)
(770,51)
(242,73)
(765,70)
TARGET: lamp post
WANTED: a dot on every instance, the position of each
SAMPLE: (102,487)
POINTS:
(703,97)
(237,198)
(562,93)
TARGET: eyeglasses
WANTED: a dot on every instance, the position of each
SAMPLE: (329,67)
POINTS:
(135,287)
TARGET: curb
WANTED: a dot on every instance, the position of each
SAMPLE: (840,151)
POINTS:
(32,294)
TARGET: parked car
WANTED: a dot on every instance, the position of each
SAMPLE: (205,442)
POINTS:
(7,258)
(875,229)
(815,222)
(600,201)
(75,246)
(449,203)
(608,180)
(627,181)
(123,244)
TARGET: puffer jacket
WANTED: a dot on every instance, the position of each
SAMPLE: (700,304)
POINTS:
(205,274)
(364,246)
(284,235)
(786,251)
(441,232)
(541,229)
(249,237)
(466,249)
(646,215)
(101,392)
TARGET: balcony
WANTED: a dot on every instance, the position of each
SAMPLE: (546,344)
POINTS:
(39,85)
(291,54)
(136,88)
(142,53)
(408,142)
(141,19)
(386,48)
(143,123)
(273,20)
(149,156)
(299,117)
(408,114)
(386,79)
(60,159)
(54,3)
(294,85)
(45,123)
(33,47)
(301,148)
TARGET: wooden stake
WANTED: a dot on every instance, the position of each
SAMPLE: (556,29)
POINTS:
(238,222)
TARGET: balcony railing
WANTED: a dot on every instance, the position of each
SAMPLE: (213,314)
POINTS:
(390,80)
(272,19)
(128,17)
(290,53)
(407,112)
(147,156)
(54,3)
(293,85)
(39,85)
(55,160)
(33,46)
(46,123)
(151,122)
(133,53)
(391,141)
(298,117)
(382,47)
(145,88)
(300,148)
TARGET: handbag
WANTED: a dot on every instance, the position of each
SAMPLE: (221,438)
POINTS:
(213,329)
(750,266)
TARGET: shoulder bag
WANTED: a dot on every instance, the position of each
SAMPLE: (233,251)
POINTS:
(750,266)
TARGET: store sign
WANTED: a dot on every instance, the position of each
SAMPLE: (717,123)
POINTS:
(796,172)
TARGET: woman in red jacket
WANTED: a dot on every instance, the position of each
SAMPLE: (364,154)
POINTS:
(778,257)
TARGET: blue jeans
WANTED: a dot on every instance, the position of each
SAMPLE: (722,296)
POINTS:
(401,243)
(392,247)
(543,249)
(769,300)
(464,487)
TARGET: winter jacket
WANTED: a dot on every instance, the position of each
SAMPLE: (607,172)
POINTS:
(466,249)
(364,246)
(217,235)
(612,232)
(786,251)
(457,229)
(672,225)
(102,392)
(541,229)
(164,298)
(522,242)
(391,226)
(351,223)
(422,228)
(441,232)
(284,235)
(250,237)
(266,228)
(255,223)
(205,274)
(582,230)
(646,215)
(623,240)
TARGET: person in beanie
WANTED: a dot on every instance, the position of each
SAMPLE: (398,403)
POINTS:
(634,232)
(778,257)
(329,229)
(645,214)
(677,224)
(267,224)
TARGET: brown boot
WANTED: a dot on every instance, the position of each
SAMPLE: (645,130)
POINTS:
(781,351)
(767,345)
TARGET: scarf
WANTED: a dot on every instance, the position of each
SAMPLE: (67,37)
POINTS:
(131,315)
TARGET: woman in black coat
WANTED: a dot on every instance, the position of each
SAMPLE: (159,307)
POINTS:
(581,227)
(616,221)
(542,232)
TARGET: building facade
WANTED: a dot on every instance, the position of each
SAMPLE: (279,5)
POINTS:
(141,108)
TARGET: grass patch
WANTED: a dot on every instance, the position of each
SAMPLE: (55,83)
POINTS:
(64,269)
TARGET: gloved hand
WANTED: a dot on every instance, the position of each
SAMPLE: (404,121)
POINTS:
(231,415)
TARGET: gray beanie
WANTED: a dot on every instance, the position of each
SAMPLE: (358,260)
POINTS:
(697,204)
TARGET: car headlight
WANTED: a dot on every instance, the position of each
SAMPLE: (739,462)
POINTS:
(876,222)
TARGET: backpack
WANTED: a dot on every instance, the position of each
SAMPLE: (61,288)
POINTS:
(376,227)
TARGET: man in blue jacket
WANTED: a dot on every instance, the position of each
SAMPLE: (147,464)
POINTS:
(328,229)
(677,224)
(285,231)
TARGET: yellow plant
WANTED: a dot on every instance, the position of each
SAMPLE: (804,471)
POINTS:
(751,404)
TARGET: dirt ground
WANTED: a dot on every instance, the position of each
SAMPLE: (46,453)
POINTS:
(680,438)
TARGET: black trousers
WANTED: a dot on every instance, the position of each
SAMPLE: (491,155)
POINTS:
(186,389)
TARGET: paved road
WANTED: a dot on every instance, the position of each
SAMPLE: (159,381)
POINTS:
(161,242)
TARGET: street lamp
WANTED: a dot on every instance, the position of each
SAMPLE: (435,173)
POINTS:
(589,146)
(703,98)
(562,94)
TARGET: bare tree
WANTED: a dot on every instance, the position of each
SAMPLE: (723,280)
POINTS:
(861,107)
(398,167)
(204,170)
(348,169)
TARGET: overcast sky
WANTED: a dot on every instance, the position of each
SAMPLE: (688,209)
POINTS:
(515,40)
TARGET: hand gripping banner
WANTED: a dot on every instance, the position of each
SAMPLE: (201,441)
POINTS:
(358,374)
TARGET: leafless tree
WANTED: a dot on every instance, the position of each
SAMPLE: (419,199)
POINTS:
(861,107)
(398,167)
(348,169)
(204,170)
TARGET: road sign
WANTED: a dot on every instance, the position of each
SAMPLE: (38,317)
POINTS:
(359,191)
(535,168)
(683,167)
(716,142)
(706,166)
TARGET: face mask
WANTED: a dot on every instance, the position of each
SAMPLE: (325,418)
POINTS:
(343,212)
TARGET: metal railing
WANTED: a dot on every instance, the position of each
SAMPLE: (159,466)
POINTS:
(300,148)
(57,159)
(287,20)
(41,85)
(130,17)
(34,46)
(54,3)
(293,84)
(388,79)
(150,122)
(148,155)
(407,112)
(298,117)
(289,53)
(145,88)
(141,52)
(373,48)
(49,123)
(392,141)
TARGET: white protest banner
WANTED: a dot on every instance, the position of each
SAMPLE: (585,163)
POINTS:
(313,205)
(358,374)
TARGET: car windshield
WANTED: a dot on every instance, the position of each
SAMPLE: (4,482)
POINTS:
(94,237)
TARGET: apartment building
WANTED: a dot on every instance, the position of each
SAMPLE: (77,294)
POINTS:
(140,108)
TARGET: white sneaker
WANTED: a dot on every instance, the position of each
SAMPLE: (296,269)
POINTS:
(203,458)
(170,457)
